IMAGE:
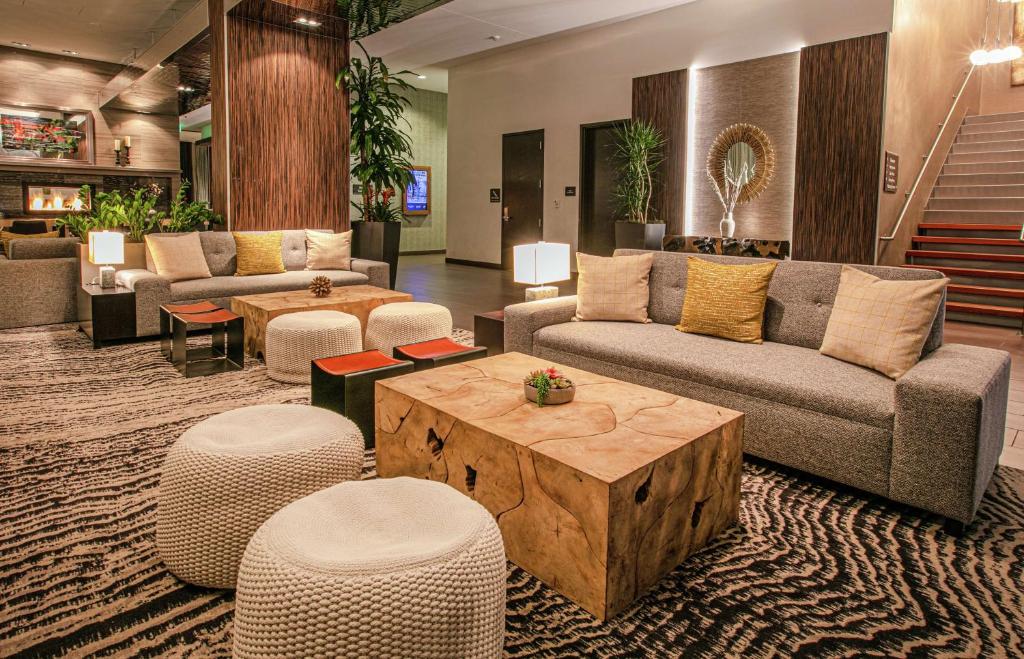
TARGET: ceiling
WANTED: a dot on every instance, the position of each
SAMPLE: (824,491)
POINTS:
(105,30)
(427,43)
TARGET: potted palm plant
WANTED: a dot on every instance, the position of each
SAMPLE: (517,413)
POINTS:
(638,154)
(381,150)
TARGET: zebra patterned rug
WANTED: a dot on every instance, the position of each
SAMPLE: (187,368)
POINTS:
(811,570)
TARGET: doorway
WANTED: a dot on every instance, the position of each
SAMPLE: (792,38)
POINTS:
(522,189)
(597,188)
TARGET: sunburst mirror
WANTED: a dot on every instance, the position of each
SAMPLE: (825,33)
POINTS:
(745,154)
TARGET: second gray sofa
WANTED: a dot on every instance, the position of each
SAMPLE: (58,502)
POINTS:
(152,290)
(930,439)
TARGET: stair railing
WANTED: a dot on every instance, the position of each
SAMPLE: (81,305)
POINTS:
(931,153)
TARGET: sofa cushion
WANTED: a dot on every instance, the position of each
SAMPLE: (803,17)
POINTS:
(613,288)
(178,258)
(800,296)
(726,300)
(228,286)
(777,372)
(258,253)
(43,248)
(219,248)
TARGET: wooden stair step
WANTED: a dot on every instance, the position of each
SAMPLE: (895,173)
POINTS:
(971,272)
(992,291)
(957,240)
(953,226)
(985,309)
(965,256)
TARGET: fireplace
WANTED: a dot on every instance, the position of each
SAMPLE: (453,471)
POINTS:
(45,199)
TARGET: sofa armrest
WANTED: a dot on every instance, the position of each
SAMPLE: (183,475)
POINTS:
(151,291)
(522,320)
(948,430)
(38,291)
(378,272)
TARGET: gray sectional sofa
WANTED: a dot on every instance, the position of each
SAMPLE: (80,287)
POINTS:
(38,282)
(930,439)
(152,290)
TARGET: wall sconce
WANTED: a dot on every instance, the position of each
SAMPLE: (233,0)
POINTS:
(123,151)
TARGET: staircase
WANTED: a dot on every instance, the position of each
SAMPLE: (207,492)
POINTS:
(971,229)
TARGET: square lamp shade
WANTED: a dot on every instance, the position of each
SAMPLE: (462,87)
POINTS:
(541,263)
(106,248)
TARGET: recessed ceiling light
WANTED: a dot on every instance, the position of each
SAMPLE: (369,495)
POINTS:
(69,52)
(308,22)
(495,37)
(21,44)
(185,88)
(421,77)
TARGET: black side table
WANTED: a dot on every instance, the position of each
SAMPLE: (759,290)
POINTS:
(106,314)
(489,331)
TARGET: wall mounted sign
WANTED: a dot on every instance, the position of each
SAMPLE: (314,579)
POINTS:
(570,191)
(891,174)
(495,195)
(357,188)
(416,196)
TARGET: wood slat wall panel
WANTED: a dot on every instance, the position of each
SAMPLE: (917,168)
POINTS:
(219,171)
(661,99)
(839,141)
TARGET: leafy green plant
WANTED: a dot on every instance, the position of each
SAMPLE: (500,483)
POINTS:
(377,101)
(638,154)
(190,215)
(135,213)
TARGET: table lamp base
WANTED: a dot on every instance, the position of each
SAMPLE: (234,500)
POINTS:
(541,293)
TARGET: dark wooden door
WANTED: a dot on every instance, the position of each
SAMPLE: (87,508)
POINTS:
(597,188)
(522,191)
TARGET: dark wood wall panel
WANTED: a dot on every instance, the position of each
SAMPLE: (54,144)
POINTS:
(219,172)
(282,127)
(661,99)
(838,155)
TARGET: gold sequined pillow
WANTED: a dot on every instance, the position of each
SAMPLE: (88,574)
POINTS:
(726,301)
(881,324)
(258,253)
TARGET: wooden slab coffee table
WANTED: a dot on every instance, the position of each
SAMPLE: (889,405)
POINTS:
(599,498)
(260,309)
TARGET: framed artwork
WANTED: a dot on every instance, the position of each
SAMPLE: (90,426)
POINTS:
(30,133)
(1017,65)
(416,196)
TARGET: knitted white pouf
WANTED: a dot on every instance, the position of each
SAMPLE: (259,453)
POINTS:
(402,323)
(294,340)
(396,567)
(226,475)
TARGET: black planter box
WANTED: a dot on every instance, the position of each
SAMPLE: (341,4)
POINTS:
(632,235)
(378,241)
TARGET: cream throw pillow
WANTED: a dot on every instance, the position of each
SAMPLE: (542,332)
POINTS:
(328,251)
(881,324)
(614,288)
(178,258)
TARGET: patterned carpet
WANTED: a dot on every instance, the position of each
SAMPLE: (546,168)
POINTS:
(811,570)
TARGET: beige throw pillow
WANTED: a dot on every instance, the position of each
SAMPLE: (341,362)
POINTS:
(328,251)
(178,258)
(613,288)
(881,324)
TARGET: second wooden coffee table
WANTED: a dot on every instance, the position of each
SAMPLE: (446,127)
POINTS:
(260,309)
(599,498)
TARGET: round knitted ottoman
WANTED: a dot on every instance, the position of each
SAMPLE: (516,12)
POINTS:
(396,567)
(294,340)
(402,323)
(226,475)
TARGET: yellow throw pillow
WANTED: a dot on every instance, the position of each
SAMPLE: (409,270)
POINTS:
(258,253)
(7,236)
(613,288)
(726,300)
(879,323)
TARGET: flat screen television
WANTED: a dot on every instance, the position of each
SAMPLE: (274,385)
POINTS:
(416,196)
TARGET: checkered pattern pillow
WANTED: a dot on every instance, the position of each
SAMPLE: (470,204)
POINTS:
(613,288)
(881,324)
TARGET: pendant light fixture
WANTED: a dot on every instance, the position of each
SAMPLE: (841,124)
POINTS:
(999,54)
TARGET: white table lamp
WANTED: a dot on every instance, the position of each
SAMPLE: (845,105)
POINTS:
(539,264)
(106,249)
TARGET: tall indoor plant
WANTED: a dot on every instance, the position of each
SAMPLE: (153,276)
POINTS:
(638,155)
(380,148)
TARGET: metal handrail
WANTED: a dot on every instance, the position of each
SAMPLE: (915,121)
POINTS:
(928,158)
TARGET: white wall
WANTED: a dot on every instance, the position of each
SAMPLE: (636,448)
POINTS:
(564,81)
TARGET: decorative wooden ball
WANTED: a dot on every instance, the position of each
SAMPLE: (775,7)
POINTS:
(320,286)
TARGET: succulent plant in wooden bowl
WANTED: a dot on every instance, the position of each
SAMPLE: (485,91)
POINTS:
(548,387)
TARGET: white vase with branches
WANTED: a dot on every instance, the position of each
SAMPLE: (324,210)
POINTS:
(733,183)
